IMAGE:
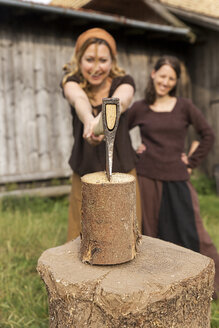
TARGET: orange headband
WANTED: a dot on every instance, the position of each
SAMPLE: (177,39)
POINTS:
(96,33)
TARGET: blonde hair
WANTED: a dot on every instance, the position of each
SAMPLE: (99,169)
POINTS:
(73,67)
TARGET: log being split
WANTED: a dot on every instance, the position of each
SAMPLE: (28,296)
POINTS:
(109,226)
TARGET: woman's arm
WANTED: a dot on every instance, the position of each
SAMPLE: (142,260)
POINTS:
(79,100)
(192,149)
(205,132)
(125,93)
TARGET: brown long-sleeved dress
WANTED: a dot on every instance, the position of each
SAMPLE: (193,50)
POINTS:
(86,158)
(170,208)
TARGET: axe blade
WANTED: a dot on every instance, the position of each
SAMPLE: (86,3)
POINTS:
(110,115)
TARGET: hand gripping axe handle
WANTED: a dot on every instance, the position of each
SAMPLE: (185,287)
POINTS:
(110,117)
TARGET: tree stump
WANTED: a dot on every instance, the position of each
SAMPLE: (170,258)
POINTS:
(164,286)
(109,224)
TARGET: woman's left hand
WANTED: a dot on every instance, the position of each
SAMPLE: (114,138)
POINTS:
(185,160)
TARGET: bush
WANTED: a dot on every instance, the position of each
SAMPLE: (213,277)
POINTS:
(203,184)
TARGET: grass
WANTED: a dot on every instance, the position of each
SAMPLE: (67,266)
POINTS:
(209,205)
(28,226)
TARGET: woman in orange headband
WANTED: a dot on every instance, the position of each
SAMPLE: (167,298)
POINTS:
(93,74)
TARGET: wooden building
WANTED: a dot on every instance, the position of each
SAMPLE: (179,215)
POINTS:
(36,40)
(202,61)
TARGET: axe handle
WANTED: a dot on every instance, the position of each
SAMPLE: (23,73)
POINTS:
(110,112)
(98,128)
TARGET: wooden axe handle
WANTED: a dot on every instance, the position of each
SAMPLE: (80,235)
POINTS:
(111,117)
(98,129)
(110,112)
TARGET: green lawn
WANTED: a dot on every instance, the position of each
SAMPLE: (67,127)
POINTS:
(30,226)
(209,205)
(27,228)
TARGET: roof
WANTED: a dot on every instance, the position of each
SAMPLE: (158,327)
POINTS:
(136,9)
(143,13)
(75,4)
(200,12)
(138,14)
(205,7)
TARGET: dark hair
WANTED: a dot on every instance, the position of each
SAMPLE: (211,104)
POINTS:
(150,93)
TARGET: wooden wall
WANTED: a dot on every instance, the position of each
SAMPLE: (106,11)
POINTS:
(35,125)
(203,64)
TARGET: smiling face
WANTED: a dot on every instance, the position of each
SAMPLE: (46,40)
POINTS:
(96,63)
(164,80)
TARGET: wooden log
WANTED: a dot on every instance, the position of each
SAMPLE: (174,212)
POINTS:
(109,228)
(164,286)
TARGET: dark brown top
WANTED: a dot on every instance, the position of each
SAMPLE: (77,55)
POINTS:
(164,135)
(86,158)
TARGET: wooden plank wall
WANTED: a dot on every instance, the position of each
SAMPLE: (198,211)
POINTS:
(35,125)
(203,66)
(35,130)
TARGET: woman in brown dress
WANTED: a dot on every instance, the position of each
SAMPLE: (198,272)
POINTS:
(91,75)
(170,208)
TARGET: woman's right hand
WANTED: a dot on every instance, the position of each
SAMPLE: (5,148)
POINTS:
(88,133)
(95,140)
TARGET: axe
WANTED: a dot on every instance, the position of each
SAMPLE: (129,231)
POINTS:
(108,126)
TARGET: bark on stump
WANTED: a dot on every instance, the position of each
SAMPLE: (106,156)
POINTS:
(164,286)
(109,225)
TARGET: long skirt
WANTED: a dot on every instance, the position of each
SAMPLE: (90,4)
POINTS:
(170,211)
(74,217)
